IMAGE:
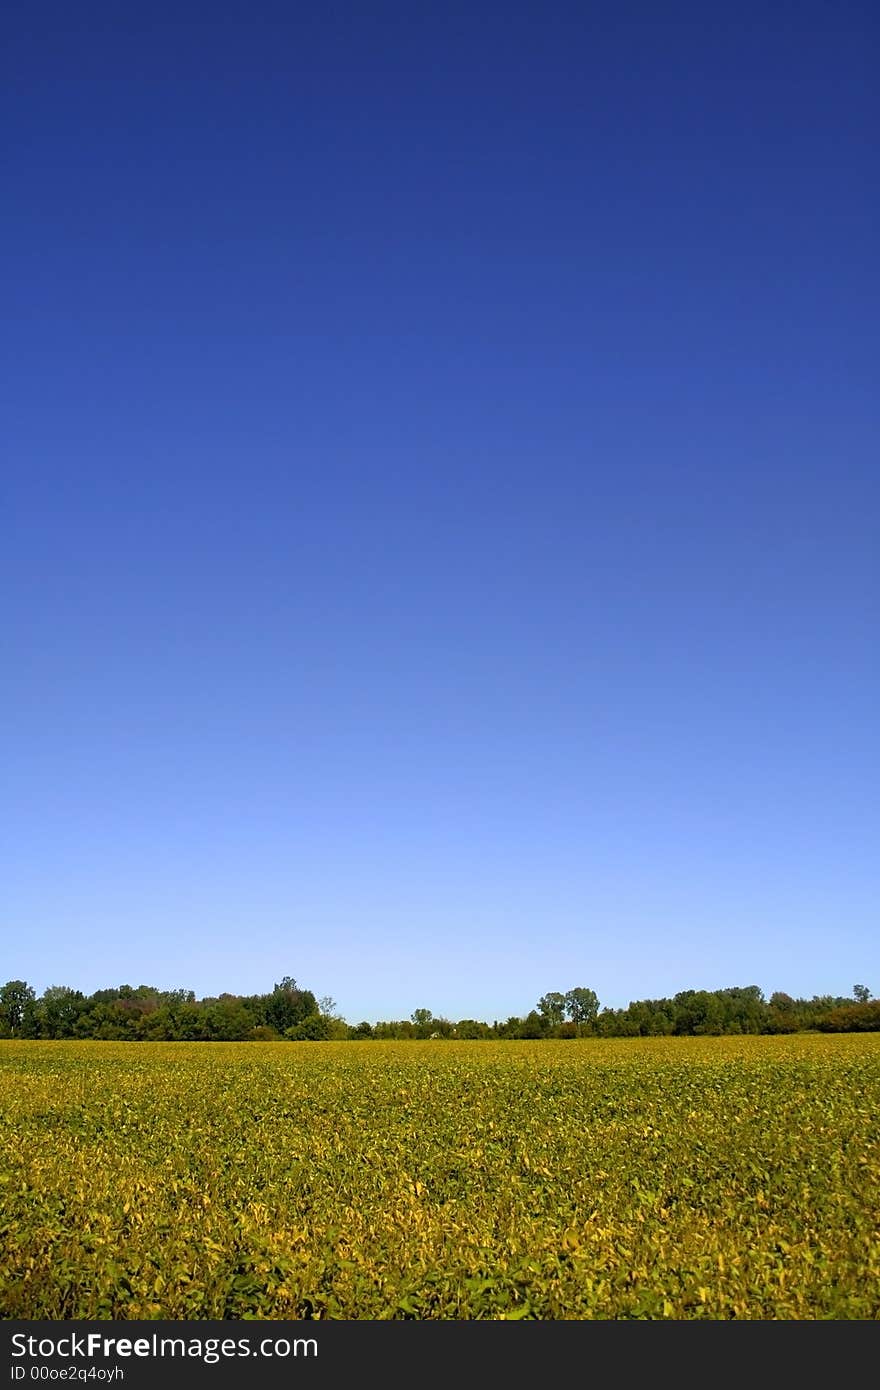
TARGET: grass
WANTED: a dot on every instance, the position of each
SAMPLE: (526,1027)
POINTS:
(643,1178)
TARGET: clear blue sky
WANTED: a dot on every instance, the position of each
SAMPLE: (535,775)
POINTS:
(440,540)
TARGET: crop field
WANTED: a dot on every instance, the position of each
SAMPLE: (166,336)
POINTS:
(634,1178)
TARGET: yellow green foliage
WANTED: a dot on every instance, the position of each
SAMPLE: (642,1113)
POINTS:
(644,1178)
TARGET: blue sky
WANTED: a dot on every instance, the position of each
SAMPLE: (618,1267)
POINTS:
(441,503)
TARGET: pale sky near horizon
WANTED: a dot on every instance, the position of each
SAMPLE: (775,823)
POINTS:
(441,503)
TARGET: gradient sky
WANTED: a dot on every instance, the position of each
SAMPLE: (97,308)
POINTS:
(439,555)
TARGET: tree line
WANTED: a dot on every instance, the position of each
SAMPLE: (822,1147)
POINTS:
(144,1013)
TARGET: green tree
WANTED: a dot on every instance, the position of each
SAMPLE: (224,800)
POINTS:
(227,1020)
(861,994)
(471,1028)
(17,1013)
(781,1002)
(743,1009)
(582,1005)
(534,1025)
(698,1011)
(313,1028)
(510,1029)
(58,1010)
(552,1008)
(423,1020)
(288,1005)
(782,1016)
(863,1017)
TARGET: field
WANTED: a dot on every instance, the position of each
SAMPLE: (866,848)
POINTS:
(668,1178)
